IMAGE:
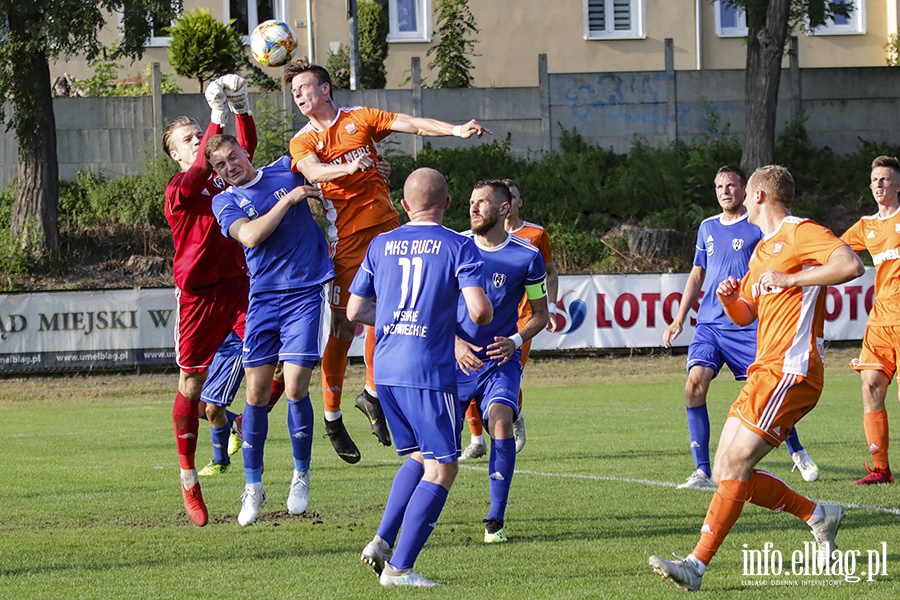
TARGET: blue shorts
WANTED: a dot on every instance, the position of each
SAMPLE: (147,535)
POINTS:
(285,325)
(713,347)
(225,373)
(493,383)
(427,421)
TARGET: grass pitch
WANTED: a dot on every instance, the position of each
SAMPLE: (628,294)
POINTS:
(91,507)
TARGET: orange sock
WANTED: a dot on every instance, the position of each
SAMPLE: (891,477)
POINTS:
(876,425)
(520,399)
(334,366)
(724,510)
(369,356)
(474,420)
(768,491)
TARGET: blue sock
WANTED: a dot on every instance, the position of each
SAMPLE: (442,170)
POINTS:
(793,441)
(405,481)
(231,417)
(300,427)
(422,512)
(219,437)
(698,428)
(500,471)
(256,428)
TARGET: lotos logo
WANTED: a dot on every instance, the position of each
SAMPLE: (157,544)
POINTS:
(570,314)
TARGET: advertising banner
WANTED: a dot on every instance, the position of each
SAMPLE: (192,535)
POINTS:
(114,329)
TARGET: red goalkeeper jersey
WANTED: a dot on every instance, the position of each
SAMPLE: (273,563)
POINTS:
(203,256)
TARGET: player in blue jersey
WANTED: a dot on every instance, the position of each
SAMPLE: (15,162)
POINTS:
(725,243)
(287,256)
(417,272)
(489,356)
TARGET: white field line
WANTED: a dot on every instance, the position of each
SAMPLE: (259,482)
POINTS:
(852,505)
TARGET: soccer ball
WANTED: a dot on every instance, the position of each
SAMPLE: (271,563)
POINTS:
(272,43)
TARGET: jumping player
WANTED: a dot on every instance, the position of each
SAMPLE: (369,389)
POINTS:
(337,149)
(266,211)
(785,289)
(489,356)
(417,272)
(877,362)
(210,275)
(724,246)
(536,236)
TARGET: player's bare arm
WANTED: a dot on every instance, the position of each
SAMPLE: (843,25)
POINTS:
(318,172)
(253,233)
(688,297)
(481,311)
(552,291)
(738,310)
(361,310)
(502,348)
(434,128)
(465,356)
(842,266)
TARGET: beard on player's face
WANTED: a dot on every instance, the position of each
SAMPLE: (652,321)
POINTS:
(488,221)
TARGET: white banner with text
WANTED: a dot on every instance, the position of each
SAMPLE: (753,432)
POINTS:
(114,329)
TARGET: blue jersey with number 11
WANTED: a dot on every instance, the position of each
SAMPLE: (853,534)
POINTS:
(416,272)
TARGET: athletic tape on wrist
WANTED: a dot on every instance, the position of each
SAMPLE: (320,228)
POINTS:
(517,339)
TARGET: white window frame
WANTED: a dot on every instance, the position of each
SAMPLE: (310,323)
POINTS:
(252,19)
(856,24)
(423,23)
(638,28)
(740,30)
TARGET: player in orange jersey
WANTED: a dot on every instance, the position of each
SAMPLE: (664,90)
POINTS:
(877,362)
(785,289)
(337,149)
(536,236)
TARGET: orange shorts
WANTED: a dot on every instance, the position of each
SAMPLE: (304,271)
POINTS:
(881,346)
(347,253)
(771,403)
(526,350)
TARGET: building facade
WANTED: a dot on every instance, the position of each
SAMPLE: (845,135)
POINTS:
(577,36)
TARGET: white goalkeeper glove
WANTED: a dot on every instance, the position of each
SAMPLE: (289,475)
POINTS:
(235,88)
(218,104)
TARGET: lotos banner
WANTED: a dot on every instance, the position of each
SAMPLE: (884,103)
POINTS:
(125,329)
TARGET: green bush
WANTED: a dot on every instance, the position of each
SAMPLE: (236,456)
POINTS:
(583,194)
(95,199)
(274,128)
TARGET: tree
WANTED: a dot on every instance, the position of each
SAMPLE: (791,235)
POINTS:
(451,55)
(768,23)
(373,50)
(32,34)
(202,48)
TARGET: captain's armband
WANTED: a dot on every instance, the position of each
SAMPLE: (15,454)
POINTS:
(536,291)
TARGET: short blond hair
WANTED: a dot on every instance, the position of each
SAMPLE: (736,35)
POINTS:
(170,131)
(776,181)
(217,141)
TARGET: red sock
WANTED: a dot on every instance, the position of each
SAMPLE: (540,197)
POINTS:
(187,427)
(766,490)
(369,356)
(277,391)
(876,425)
(475,425)
(724,510)
(334,366)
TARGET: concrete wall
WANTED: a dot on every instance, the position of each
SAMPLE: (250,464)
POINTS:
(843,106)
